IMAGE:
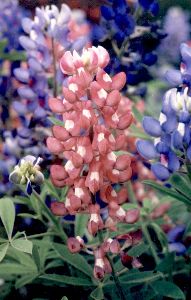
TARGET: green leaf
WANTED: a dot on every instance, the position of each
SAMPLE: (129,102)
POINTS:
(97,294)
(81,221)
(166,264)
(167,191)
(160,234)
(3,250)
(168,289)
(26,279)
(67,280)
(22,245)
(3,44)
(64,298)
(7,215)
(136,132)
(13,56)
(50,189)
(36,257)
(137,114)
(137,277)
(26,215)
(181,184)
(138,250)
(12,268)
(23,258)
(56,121)
(76,260)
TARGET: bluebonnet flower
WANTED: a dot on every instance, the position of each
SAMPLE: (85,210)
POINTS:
(27,172)
(131,38)
(175,239)
(175,19)
(171,133)
(50,32)
(150,5)
(10,17)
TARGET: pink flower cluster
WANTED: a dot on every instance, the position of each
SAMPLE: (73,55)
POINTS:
(89,142)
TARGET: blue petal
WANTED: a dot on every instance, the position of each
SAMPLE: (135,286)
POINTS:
(177,140)
(107,12)
(173,162)
(188,153)
(179,248)
(21,74)
(170,124)
(176,233)
(160,171)
(173,77)
(152,126)
(27,43)
(185,53)
(146,149)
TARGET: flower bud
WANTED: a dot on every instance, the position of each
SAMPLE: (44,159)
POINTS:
(27,171)
(74,245)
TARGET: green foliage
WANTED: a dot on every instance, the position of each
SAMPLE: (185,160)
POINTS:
(97,294)
(7,215)
(168,191)
(168,289)
(56,121)
(76,260)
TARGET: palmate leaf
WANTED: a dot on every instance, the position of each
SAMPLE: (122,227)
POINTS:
(97,294)
(168,289)
(167,191)
(76,281)
(138,250)
(76,260)
(181,184)
(22,245)
(7,215)
(25,279)
(135,277)
(166,265)
(3,250)
(13,269)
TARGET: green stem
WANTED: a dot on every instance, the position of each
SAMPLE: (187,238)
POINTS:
(188,167)
(149,241)
(115,277)
(51,217)
(34,236)
(55,88)
(131,194)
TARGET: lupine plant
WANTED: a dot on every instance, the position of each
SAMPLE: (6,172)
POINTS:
(80,217)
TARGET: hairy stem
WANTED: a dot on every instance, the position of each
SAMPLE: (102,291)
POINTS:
(114,274)
(51,217)
(150,243)
(131,192)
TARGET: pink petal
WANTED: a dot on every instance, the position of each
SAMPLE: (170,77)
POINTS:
(67,64)
(58,172)
(118,81)
(132,216)
(113,98)
(54,145)
(56,105)
(60,133)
